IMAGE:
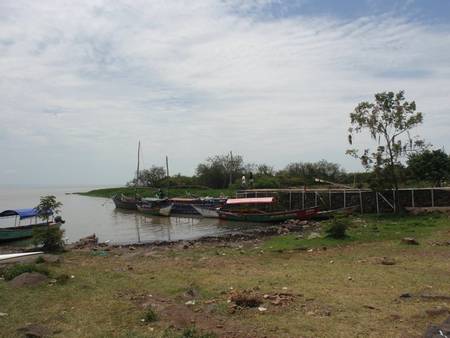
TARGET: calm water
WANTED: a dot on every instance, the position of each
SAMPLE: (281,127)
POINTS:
(87,215)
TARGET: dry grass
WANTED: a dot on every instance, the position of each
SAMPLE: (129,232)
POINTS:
(343,291)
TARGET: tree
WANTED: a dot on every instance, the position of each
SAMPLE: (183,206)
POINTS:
(217,170)
(308,171)
(152,177)
(389,121)
(431,166)
(50,237)
(47,206)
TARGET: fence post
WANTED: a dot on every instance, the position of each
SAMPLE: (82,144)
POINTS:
(303,200)
(395,201)
(345,201)
(432,197)
(378,205)
(315,197)
(329,198)
(290,200)
(361,201)
(412,198)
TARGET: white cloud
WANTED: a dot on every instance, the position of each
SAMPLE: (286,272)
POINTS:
(85,80)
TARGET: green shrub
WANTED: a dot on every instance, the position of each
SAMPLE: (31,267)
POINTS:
(40,260)
(192,332)
(18,269)
(51,238)
(150,316)
(338,227)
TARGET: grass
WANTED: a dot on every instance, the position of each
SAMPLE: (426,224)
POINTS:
(11,272)
(340,292)
(151,192)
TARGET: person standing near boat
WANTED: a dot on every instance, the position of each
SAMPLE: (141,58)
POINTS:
(250,180)
(243,182)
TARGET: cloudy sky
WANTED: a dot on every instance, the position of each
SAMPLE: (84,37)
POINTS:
(82,81)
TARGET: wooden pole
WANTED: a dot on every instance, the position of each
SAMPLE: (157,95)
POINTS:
(345,198)
(290,200)
(412,198)
(231,168)
(378,205)
(361,202)
(137,170)
(432,197)
(167,174)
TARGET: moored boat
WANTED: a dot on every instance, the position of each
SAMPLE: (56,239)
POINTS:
(155,209)
(124,202)
(19,231)
(206,212)
(260,209)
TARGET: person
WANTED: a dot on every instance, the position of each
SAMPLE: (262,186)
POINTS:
(160,194)
(250,179)
(243,182)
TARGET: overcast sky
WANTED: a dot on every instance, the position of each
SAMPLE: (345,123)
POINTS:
(82,81)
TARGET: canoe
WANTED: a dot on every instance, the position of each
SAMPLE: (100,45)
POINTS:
(206,212)
(155,210)
(268,217)
(15,256)
(124,202)
(23,231)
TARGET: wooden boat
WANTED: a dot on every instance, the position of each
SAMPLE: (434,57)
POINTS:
(156,210)
(246,210)
(185,206)
(206,212)
(22,231)
(130,203)
(124,202)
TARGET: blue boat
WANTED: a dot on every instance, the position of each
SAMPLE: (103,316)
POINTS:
(14,225)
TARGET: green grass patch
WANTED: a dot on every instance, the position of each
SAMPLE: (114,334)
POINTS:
(12,272)
(365,229)
(151,192)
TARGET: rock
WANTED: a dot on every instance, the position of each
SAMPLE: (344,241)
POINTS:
(438,331)
(410,241)
(437,311)
(28,279)
(313,235)
(35,331)
(3,314)
(388,261)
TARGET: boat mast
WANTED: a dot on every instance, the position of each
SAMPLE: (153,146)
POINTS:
(167,174)
(137,170)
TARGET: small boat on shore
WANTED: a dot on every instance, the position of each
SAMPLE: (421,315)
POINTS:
(260,209)
(21,231)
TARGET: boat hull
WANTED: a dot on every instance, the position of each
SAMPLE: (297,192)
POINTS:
(269,217)
(125,203)
(22,232)
(206,212)
(155,211)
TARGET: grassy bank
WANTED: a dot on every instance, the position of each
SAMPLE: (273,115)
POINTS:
(343,291)
(151,192)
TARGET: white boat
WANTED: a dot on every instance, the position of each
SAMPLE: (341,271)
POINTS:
(206,212)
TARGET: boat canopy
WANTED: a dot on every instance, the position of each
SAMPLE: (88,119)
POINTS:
(23,213)
(252,200)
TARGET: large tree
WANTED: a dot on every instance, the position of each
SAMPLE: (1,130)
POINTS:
(430,165)
(389,121)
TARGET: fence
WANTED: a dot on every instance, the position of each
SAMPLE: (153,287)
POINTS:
(367,201)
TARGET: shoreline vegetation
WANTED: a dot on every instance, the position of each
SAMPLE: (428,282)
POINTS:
(151,192)
(294,283)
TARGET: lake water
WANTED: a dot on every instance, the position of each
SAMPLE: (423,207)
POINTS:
(87,215)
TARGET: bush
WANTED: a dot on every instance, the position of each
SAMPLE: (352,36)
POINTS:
(13,271)
(50,237)
(266,182)
(193,333)
(150,316)
(338,227)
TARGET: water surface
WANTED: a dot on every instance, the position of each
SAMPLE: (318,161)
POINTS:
(87,215)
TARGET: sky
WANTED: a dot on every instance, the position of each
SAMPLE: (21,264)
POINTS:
(274,81)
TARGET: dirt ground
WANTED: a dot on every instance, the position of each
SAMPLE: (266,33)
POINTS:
(240,289)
